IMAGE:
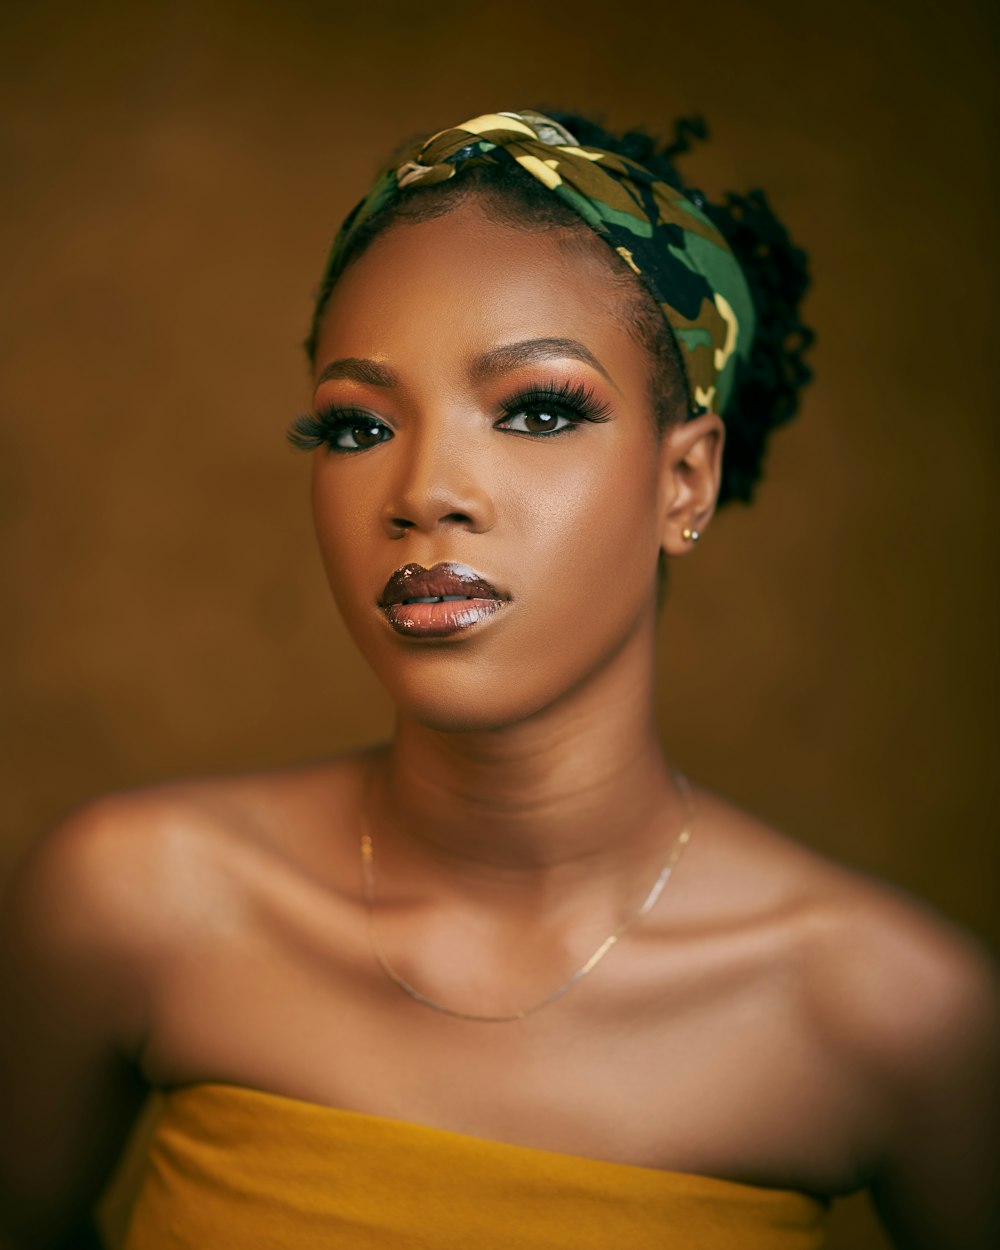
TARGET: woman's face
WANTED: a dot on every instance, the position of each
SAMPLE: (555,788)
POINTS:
(486,409)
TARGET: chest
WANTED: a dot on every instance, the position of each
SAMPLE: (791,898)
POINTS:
(668,1056)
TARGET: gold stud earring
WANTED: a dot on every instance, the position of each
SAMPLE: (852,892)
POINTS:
(690,535)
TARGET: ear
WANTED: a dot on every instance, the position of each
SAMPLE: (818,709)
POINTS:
(690,473)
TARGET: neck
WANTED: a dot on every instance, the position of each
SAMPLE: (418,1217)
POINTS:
(575,790)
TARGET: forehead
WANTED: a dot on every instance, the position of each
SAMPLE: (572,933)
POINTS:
(455,286)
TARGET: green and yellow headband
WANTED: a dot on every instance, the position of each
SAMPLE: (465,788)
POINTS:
(658,231)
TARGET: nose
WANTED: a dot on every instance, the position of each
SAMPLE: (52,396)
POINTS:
(437,487)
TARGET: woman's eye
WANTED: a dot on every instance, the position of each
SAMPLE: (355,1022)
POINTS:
(357,435)
(337,431)
(537,421)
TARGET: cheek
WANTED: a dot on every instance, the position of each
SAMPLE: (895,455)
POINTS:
(587,546)
(595,522)
(343,529)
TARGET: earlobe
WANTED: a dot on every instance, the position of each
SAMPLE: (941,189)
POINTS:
(690,473)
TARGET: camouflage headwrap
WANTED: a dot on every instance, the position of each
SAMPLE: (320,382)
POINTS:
(660,233)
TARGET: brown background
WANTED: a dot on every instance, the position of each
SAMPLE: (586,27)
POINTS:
(172,174)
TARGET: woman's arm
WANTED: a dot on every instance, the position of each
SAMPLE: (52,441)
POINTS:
(74,951)
(917,1006)
(939,1187)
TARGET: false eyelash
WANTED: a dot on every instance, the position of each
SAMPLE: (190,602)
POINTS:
(306,433)
(576,401)
(310,430)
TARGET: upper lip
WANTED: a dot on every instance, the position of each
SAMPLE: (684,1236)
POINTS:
(413,581)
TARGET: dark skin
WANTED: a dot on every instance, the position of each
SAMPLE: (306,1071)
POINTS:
(776,1020)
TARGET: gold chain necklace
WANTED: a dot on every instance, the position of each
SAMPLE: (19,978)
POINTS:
(648,903)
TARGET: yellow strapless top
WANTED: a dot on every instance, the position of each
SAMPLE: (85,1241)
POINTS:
(230,1168)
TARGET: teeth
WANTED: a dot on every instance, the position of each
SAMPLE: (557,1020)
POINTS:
(438,599)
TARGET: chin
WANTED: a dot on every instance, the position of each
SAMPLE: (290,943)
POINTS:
(463,688)
(463,699)
(454,720)
(447,708)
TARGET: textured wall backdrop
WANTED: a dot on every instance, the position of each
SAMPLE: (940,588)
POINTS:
(172,174)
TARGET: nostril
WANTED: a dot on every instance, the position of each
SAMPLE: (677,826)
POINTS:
(427,519)
(457,518)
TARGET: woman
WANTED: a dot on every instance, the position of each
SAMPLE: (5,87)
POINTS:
(508,979)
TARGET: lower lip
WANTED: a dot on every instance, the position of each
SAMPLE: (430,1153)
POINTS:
(440,620)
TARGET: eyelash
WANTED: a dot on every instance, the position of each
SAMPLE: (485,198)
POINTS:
(310,430)
(575,403)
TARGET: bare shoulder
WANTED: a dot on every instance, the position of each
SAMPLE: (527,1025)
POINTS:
(893,989)
(898,1001)
(110,860)
(98,921)
(128,875)
(908,996)
(95,902)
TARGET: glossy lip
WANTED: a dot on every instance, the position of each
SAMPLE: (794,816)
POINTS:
(438,602)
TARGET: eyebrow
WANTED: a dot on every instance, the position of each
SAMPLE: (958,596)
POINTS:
(503,359)
(490,364)
(358,369)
